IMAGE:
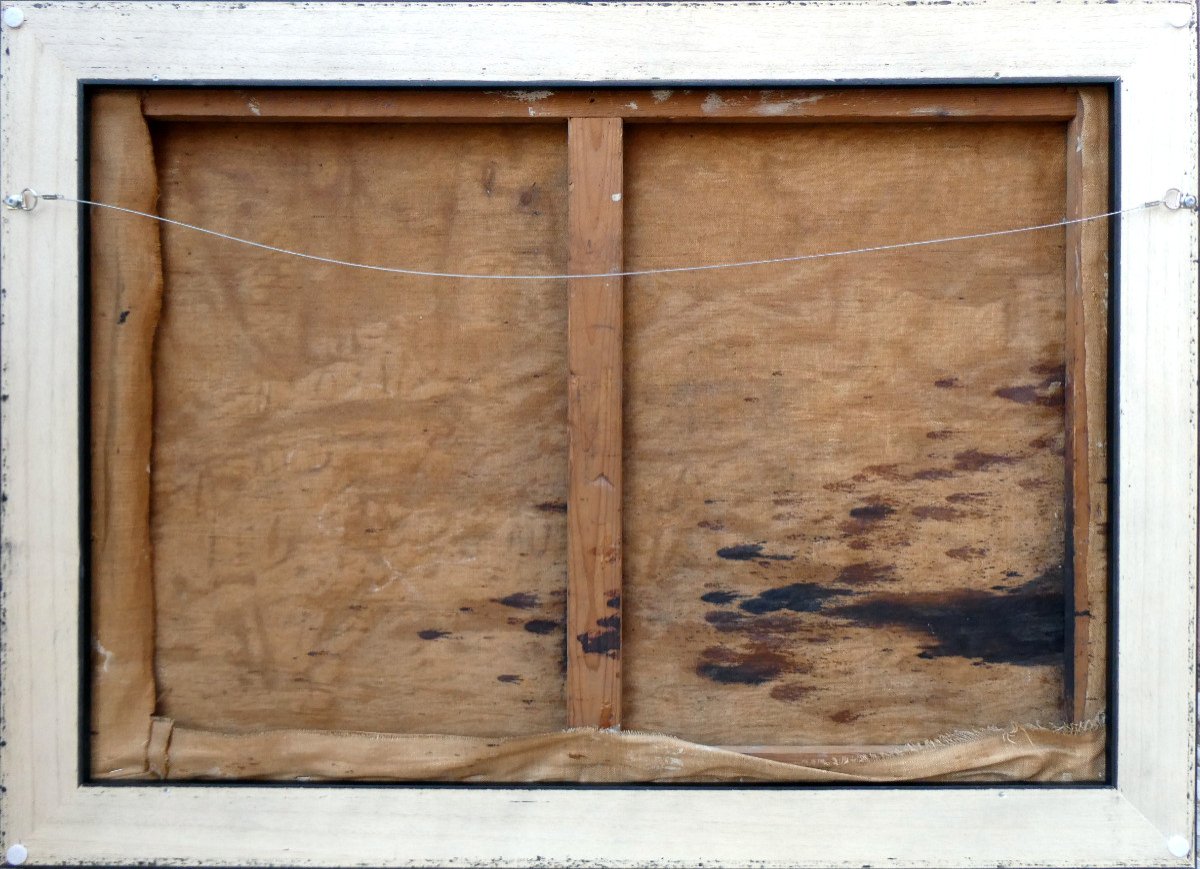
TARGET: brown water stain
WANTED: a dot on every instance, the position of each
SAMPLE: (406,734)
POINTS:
(488,181)
(1052,369)
(938,513)
(839,486)
(528,200)
(724,619)
(934,474)
(1032,394)
(866,573)
(522,600)
(1046,393)
(728,667)
(967,553)
(967,497)
(974,460)
(769,631)
(1045,442)
(791,692)
(885,472)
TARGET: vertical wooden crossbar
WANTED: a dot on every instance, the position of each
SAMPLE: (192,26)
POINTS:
(594,344)
(1076,453)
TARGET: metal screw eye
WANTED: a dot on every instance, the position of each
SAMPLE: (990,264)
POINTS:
(26,200)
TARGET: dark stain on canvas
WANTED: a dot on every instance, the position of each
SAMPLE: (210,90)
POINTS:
(730,667)
(937,513)
(797,597)
(1048,392)
(791,692)
(975,460)
(522,600)
(750,552)
(1023,626)
(606,641)
(720,597)
(866,573)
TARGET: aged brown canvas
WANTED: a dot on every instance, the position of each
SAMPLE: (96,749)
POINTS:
(330,510)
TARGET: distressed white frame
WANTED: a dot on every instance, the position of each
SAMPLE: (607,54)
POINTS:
(1149,48)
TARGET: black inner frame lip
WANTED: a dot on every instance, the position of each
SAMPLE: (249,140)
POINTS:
(83,115)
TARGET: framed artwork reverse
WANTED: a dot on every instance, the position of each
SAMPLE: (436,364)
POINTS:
(634,434)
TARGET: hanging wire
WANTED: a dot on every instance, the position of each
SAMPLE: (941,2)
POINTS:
(28,199)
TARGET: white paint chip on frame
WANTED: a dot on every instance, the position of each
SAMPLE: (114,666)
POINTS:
(1148,48)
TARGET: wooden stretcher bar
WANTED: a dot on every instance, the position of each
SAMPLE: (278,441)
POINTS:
(861,105)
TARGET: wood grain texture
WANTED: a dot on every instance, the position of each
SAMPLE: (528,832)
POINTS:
(844,479)
(594,352)
(1156,451)
(360,479)
(126,298)
(1088,299)
(42,640)
(406,43)
(915,105)
(1075,444)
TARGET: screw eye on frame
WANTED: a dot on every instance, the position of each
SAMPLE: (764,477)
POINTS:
(26,200)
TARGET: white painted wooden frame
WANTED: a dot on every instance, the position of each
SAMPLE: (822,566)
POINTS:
(1148,48)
